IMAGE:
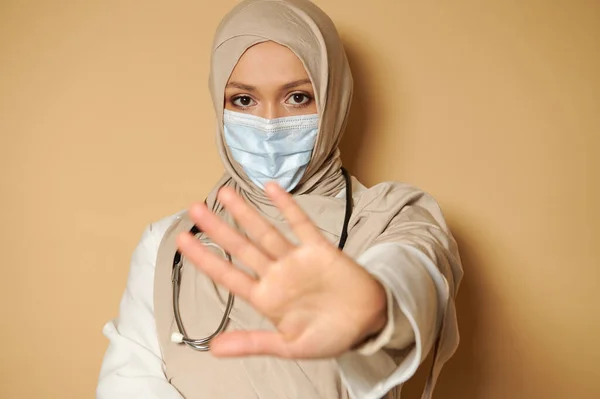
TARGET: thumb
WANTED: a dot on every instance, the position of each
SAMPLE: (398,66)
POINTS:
(248,343)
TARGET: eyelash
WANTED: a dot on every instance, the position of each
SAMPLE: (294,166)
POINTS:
(237,97)
(306,95)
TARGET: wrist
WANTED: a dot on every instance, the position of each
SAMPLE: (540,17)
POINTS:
(378,318)
(380,314)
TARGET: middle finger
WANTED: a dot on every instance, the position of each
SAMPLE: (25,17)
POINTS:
(267,237)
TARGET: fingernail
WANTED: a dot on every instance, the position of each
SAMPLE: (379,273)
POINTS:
(271,187)
(225,194)
(184,238)
(197,209)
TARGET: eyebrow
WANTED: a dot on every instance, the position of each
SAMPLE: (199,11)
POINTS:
(241,86)
(295,83)
(286,86)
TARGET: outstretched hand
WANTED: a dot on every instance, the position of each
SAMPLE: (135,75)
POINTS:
(321,302)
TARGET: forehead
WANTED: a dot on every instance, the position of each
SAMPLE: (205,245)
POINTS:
(268,63)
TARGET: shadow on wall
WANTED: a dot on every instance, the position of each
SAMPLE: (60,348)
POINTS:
(464,373)
(361,112)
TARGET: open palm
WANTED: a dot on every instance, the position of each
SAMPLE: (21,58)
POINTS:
(320,301)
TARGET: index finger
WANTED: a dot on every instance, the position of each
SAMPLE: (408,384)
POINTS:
(302,226)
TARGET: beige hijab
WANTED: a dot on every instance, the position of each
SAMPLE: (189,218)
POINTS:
(388,212)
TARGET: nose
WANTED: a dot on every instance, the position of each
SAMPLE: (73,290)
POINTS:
(271,110)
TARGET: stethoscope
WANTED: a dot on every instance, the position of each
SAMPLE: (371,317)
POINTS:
(203,344)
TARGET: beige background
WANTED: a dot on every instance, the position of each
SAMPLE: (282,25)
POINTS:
(493,107)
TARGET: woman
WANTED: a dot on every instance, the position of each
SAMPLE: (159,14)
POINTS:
(309,320)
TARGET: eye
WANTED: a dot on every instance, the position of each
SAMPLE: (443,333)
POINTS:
(243,101)
(298,99)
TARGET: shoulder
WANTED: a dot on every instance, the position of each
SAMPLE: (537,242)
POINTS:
(154,233)
(158,228)
(384,187)
(399,203)
(396,187)
(390,194)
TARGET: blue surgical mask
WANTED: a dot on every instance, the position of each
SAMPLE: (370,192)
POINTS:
(271,149)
